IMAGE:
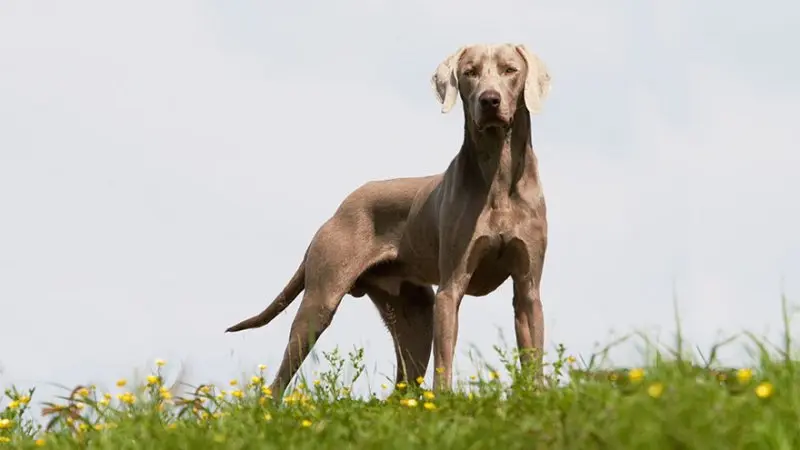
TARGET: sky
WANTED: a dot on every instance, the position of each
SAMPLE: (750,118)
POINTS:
(163,166)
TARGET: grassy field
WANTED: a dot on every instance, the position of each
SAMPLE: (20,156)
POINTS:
(669,404)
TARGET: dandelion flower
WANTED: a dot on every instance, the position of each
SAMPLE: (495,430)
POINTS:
(262,367)
(636,375)
(305,423)
(428,395)
(122,382)
(152,379)
(571,360)
(411,403)
(429,406)
(256,380)
(266,390)
(655,390)
(233,382)
(24,400)
(6,424)
(267,417)
(83,392)
(237,393)
(420,380)
(401,385)
(764,390)
(13,404)
(744,375)
(40,442)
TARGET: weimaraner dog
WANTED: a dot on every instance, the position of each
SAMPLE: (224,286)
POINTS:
(466,231)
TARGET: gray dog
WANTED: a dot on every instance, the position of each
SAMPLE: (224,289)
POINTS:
(466,230)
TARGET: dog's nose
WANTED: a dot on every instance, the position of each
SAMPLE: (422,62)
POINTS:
(489,99)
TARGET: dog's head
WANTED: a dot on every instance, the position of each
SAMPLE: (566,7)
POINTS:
(494,81)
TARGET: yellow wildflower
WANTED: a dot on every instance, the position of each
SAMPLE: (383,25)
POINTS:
(636,375)
(411,403)
(4,440)
(655,390)
(80,405)
(493,375)
(428,395)
(172,426)
(306,423)
(262,367)
(83,427)
(127,398)
(40,442)
(237,393)
(571,360)
(13,404)
(152,379)
(103,402)
(266,390)
(122,382)
(161,363)
(420,380)
(6,424)
(401,385)
(233,382)
(384,386)
(257,380)
(267,417)
(316,382)
(764,390)
(429,406)
(107,396)
(473,377)
(99,426)
(744,375)
(83,392)
(24,400)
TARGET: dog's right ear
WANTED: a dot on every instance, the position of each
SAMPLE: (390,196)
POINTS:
(445,81)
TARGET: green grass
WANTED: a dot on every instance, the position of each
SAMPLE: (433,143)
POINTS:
(674,402)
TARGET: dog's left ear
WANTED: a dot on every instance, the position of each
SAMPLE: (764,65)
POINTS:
(537,84)
(445,81)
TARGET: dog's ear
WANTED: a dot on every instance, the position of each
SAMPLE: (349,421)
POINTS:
(445,81)
(537,83)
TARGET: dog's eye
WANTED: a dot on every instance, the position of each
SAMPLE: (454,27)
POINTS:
(470,73)
(510,70)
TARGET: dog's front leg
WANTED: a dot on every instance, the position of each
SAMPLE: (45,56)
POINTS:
(529,323)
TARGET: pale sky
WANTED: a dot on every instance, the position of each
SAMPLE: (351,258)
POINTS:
(163,166)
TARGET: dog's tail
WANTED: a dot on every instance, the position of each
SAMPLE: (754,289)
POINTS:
(284,299)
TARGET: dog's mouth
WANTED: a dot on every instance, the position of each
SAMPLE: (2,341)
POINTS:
(492,123)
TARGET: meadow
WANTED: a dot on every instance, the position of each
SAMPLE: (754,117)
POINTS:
(677,400)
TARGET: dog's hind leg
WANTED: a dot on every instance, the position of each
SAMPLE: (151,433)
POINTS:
(409,318)
(335,261)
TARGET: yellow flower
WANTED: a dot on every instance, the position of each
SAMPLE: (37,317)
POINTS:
(103,402)
(152,379)
(161,363)
(316,382)
(744,375)
(233,382)
(764,390)
(636,375)
(237,393)
(267,417)
(493,375)
(470,396)
(306,423)
(99,426)
(205,390)
(13,404)
(420,380)
(262,367)
(107,396)
(440,370)
(256,380)
(6,424)
(83,392)
(172,426)
(429,406)
(266,390)
(79,405)
(384,386)
(401,385)
(40,442)
(24,400)
(570,360)
(411,403)
(122,382)
(83,427)
(655,390)
(165,393)
(4,440)
(127,398)
(428,395)
(473,377)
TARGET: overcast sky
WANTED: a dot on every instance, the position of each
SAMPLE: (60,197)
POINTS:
(163,166)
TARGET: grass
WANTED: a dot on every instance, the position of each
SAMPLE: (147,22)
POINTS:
(673,402)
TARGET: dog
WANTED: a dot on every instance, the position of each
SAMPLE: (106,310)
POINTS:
(466,230)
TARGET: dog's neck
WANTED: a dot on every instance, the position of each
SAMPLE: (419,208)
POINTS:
(501,161)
